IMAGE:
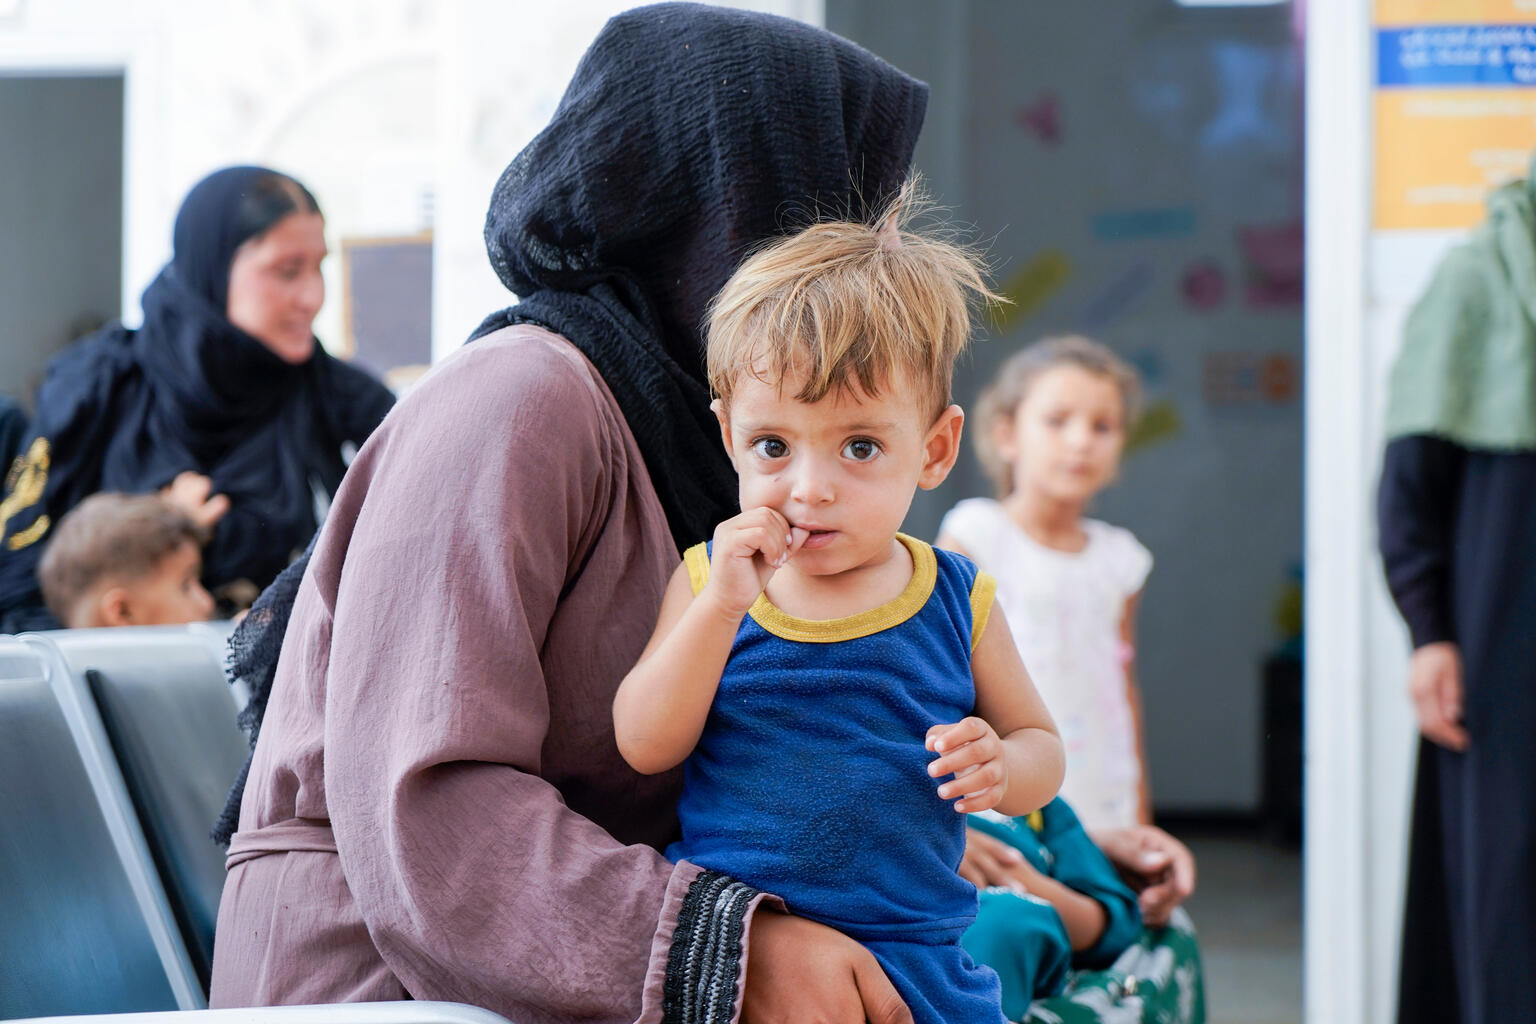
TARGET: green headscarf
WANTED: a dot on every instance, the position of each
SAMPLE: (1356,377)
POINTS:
(1467,369)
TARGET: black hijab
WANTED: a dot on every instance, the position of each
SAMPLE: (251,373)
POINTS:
(212,383)
(127,410)
(688,135)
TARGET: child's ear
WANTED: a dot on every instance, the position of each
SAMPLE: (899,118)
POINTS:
(114,607)
(724,416)
(942,447)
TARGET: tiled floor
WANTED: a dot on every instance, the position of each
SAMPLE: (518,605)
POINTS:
(1247,909)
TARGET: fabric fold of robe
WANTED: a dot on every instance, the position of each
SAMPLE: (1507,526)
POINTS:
(444,704)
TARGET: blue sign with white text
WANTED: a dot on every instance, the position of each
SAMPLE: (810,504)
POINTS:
(1452,55)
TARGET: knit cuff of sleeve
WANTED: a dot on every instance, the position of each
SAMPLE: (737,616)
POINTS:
(1122,926)
(706,964)
(1424,611)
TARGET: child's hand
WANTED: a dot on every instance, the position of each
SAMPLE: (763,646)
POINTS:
(748,550)
(193,493)
(970,751)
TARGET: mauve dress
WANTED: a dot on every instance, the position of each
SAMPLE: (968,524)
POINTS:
(437,808)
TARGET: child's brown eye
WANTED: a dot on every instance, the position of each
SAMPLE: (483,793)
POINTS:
(861,449)
(770,448)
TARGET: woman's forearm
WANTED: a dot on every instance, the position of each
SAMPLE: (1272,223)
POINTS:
(1133,704)
(1143,776)
(1083,916)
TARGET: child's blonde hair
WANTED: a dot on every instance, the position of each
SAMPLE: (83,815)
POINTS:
(1001,400)
(848,302)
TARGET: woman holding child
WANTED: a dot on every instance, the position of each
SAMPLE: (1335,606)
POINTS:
(437,799)
(437,807)
(223,398)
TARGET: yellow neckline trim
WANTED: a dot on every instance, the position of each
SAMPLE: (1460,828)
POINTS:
(696,559)
(925,572)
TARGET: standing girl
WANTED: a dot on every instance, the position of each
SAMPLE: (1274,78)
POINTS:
(1050,431)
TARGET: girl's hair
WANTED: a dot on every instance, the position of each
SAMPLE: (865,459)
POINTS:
(1001,399)
(848,302)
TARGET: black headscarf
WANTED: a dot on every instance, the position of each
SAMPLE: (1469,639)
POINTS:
(127,410)
(688,135)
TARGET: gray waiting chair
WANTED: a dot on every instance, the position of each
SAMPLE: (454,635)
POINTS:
(338,1013)
(170,721)
(85,926)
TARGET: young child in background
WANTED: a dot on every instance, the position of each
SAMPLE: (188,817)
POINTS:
(1050,431)
(125,560)
(839,690)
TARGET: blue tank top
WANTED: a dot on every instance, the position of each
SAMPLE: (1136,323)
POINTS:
(810,779)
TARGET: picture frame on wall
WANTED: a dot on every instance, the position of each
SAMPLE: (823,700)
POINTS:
(386,299)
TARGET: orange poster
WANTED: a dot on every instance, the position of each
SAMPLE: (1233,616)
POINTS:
(1455,107)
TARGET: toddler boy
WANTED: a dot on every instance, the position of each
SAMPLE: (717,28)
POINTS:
(838,690)
(125,560)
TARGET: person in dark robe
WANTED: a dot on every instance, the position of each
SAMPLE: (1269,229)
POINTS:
(223,398)
(1457,523)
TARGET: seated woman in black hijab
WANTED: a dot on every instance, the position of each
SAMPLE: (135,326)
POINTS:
(223,398)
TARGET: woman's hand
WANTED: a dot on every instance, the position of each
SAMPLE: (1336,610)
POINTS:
(1159,867)
(193,493)
(971,751)
(1434,683)
(748,550)
(801,972)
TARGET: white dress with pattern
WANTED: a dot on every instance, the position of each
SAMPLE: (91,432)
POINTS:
(1064,610)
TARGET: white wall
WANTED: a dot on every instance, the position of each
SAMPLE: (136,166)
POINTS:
(1360,729)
